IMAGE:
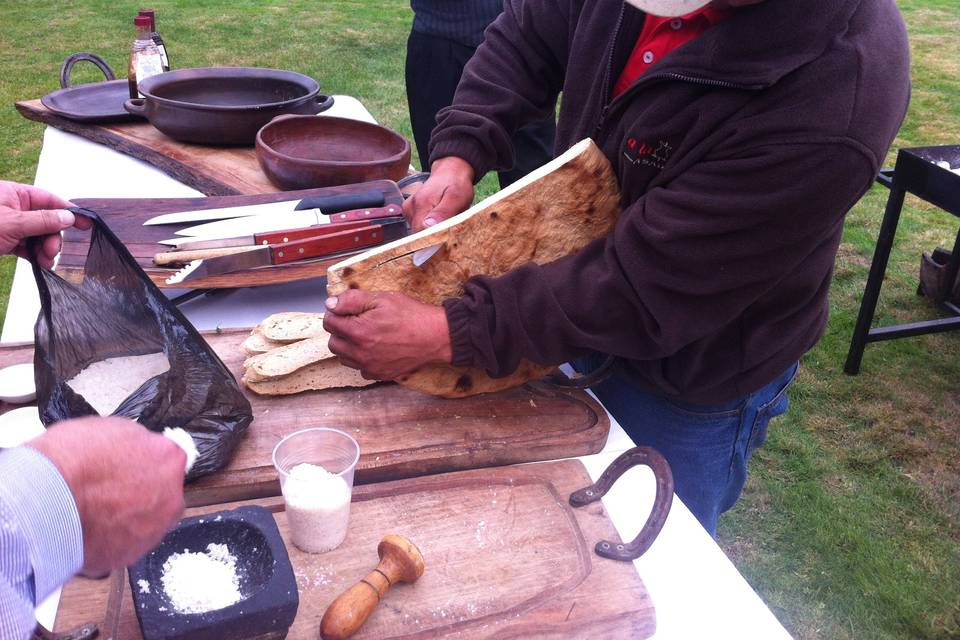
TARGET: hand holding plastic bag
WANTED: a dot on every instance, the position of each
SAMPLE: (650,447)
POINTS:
(117,311)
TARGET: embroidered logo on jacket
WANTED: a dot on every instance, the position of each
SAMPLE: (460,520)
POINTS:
(643,153)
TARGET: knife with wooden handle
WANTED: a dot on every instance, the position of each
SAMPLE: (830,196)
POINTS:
(273,237)
(277,222)
(170,258)
(286,252)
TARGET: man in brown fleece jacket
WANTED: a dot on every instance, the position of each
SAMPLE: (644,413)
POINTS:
(739,150)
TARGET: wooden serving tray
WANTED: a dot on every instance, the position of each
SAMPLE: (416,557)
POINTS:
(505,554)
(402,433)
(214,171)
(125,217)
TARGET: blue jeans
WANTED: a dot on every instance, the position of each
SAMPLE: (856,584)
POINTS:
(708,447)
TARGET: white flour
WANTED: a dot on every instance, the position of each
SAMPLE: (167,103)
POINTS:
(107,383)
(200,582)
(318,507)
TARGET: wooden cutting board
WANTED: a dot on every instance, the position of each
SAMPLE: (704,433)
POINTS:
(505,554)
(214,171)
(402,433)
(125,217)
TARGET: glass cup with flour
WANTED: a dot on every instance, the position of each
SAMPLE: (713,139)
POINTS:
(316,476)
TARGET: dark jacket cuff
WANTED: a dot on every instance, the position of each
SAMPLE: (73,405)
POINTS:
(458,320)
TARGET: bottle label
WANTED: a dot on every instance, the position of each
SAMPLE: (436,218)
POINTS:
(163,57)
(147,66)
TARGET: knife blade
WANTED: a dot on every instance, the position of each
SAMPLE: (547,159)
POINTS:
(326,204)
(191,243)
(286,252)
(421,256)
(251,225)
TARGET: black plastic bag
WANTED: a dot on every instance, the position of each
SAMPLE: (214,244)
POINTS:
(117,311)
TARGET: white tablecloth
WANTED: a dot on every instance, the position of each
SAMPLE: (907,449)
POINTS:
(696,590)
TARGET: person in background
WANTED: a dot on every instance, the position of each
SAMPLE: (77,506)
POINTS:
(79,497)
(741,132)
(444,36)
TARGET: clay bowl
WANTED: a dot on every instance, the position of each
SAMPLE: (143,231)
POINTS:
(303,152)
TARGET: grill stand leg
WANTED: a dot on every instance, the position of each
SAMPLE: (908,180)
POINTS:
(881,255)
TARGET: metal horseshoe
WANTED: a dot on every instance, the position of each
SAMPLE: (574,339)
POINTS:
(658,514)
(84,632)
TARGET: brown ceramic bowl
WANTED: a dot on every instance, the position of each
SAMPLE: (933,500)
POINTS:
(303,152)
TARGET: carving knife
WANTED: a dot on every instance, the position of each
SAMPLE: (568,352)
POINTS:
(325,204)
(250,225)
(282,253)
(190,243)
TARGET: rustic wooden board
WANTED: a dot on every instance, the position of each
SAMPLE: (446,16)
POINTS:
(125,217)
(215,171)
(505,554)
(402,433)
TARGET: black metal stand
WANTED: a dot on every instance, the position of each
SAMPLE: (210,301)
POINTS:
(916,172)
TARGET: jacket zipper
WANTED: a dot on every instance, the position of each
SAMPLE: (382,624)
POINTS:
(606,81)
(708,82)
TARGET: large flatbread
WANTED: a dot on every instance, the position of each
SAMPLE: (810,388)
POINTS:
(553,212)
(323,374)
(288,358)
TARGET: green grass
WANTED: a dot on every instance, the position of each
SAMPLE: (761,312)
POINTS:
(850,525)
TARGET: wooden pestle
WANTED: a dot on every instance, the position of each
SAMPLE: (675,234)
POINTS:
(400,560)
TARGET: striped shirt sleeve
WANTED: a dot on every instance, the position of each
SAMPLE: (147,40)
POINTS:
(41,541)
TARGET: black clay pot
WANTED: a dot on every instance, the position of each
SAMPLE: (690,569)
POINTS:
(224,105)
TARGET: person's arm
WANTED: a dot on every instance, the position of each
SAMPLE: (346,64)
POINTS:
(80,497)
(683,262)
(513,78)
(41,544)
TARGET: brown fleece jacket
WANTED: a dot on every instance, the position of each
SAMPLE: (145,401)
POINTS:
(738,156)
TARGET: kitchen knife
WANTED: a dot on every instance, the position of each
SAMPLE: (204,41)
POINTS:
(251,225)
(191,243)
(326,204)
(293,251)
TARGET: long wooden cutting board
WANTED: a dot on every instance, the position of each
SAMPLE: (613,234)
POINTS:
(214,171)
(402,433)
(125,217)
(505,554)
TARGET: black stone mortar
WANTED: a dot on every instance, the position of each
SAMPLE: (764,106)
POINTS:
(267,583)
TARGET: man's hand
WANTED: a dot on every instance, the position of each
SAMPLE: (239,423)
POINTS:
(127,483)
(26,211)
(447,192)
(386,335)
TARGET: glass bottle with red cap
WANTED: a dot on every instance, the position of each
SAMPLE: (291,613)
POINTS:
(145,58)
(157,40)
